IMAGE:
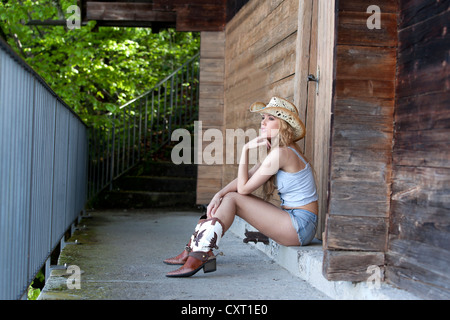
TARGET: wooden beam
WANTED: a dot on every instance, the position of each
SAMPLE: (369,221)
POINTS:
(118,11)
(175,4)
(193,15)
(356,233)
(350,265)
(203,17)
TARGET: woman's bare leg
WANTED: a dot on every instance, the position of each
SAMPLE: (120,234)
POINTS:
(264,216)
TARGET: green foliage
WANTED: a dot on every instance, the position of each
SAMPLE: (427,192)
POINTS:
(94,70)
(35,289)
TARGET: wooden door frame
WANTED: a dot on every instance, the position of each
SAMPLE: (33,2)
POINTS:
(306,94)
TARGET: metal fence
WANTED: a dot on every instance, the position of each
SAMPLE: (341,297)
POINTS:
(143,126)
(51,163)
(43,172)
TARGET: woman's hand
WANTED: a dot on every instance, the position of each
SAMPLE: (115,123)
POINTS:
(257,142)
(213,206)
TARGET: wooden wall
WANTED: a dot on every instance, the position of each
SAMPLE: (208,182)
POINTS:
(211,107)
(265,56)
(419,233)
(260,62)
(385,188)
(361,142)
(385,92)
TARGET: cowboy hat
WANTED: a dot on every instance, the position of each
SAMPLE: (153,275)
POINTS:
(282,109)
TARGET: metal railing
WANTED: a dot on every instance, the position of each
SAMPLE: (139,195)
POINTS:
(143,126)
(43,172)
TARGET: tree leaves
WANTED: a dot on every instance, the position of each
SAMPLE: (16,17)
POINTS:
(94,70)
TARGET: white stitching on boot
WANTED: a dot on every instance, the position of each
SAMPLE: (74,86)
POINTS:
(208,236)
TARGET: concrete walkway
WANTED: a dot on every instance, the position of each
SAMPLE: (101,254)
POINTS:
(120,256)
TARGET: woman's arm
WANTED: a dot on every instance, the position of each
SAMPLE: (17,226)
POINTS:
(231,187)
(247,184)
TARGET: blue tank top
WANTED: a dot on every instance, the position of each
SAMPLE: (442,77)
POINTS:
(297,189)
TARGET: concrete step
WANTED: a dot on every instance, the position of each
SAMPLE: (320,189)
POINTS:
(146,199)
(165,169)
(156,184)
(152,185)
(306,263)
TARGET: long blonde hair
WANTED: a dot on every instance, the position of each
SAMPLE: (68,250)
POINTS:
(285,137)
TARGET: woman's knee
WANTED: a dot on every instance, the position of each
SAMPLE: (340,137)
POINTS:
(230,197)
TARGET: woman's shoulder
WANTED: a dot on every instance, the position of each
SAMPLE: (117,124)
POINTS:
(288,150)
(293,159)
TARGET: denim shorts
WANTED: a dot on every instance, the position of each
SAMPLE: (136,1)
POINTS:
(305,223)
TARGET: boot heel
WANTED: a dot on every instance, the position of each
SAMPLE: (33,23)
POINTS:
(210,266)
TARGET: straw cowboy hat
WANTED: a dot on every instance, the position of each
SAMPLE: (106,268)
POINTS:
(282,109)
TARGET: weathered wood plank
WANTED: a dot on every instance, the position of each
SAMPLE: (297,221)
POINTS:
(423,187)
(423,60)
(422,35)
(351,265)
(358,62)
(352,30)
(356,233)
(360,164)
(361,88)
(360,178)
(174,4)
(428,225)
(431,147)
(402,277)
(413,11)
(202,17)
(212,117)
(422,158)
(423,112)
(209,171)
(344,206)
(420,268)
(386,6)
(364,110)
(362,136)
(211,91)
(127,11)
(212,45)
(353,198)
(212,71)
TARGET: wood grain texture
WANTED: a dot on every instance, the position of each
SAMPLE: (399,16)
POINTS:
(211,113)
(419,232)
(361,141)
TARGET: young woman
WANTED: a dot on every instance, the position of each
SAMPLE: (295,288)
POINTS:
(291,225)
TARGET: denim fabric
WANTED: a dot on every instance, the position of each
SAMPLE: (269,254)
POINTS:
(305,223)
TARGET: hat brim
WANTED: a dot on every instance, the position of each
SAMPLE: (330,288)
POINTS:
(291,118)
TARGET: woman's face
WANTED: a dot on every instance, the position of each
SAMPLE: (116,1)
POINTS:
(269,125)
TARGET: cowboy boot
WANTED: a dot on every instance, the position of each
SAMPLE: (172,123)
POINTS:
(182,257)
(208,237)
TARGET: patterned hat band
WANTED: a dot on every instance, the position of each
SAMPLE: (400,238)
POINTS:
(282,109)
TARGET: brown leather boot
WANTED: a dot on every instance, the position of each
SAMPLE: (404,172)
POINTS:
(195,262)
(182,257)
(206,238)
